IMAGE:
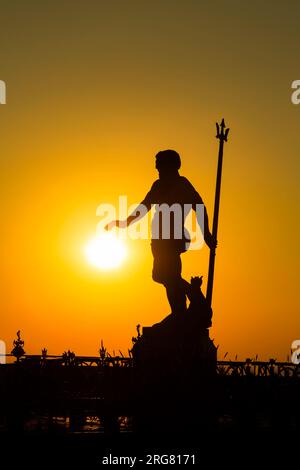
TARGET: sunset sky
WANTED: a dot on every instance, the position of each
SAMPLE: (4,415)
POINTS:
(94,90)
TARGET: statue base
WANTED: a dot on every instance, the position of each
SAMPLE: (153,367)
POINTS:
(181,342)
(178,341)
(175,365)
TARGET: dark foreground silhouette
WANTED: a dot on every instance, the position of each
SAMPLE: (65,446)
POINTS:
(69,408)
(62,410)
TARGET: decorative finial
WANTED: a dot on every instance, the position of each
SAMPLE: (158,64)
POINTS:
(44,353)
(18,350)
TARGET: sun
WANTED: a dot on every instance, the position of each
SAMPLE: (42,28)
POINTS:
(106,251)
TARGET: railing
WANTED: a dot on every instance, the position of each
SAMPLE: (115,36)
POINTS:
(270,368)
(245,368)
(70,359)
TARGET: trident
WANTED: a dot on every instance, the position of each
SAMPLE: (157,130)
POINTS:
(222,135)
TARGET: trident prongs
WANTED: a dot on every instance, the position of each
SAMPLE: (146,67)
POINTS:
(222,134)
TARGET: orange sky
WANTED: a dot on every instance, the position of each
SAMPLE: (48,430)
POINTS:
(94,90)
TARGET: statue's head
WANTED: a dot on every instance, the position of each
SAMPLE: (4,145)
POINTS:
(167,162)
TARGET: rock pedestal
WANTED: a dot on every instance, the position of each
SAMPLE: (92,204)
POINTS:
(180,340)
(175,364)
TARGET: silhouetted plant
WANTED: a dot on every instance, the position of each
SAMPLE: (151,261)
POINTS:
(69,358)
(135,339)
(103,353)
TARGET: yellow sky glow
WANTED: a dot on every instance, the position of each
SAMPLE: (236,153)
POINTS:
(94,91)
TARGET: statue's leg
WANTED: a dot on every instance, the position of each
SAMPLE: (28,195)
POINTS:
(167,271)
(176,296)
(186,286)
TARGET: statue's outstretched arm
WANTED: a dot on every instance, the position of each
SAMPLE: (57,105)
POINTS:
(139,212)
(136,215)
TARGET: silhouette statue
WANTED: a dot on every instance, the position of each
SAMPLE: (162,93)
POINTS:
(171,188)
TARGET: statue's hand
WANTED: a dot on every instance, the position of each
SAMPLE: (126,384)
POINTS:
(111,225)
(115,223)
(211,242)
